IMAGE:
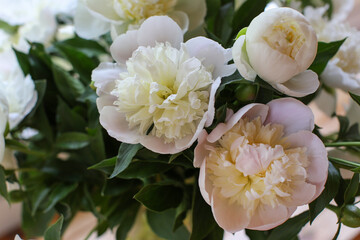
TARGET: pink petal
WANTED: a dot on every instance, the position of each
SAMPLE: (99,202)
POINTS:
(105,100)
(266,217)
(124,45)
(230,217)
(200,152)
(205,184)
(250,110)
(317,155)
(116,125)
(212,55)
(104,77)
(303,193)
(160,29)
(158,145)
(292,114)
(300,85)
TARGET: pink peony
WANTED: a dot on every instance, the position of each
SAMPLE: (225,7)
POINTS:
(262,163)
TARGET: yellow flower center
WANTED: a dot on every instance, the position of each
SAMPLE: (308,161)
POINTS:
(139,10)
(252,165)
(286,37)
(164,92)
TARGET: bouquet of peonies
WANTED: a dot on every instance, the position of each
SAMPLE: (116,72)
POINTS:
(194,114)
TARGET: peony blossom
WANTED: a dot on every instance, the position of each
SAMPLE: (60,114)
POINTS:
(18,89)
(343,69)
(258,166)
(96,17)
(160,92)
(4,111)
(279,46)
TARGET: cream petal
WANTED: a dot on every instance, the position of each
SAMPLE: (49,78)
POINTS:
(205,185)
(104,77)
(158,145)
(116,125)
(16,118)
(292,114)
(160,29)
(124,45)
(211,108)
(317,155)
(300,85)
(212,55)
(230,217)
(241,59)
(266,217)
(105,100)
(196,11)
(104,8)
(87,25)
(250,110)
(181,19)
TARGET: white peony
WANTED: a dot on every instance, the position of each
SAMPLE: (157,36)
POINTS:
(18,89)
(279,46)
(4,111)
(161,92)
(96,17)
(343,69)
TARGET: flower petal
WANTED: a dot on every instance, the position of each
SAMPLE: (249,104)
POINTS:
(317,155)
(212,54)
(116,125)
(303,193)
(211,110)
(266,217)
(87,25)
(241,59)
(205,184)
(104,77)
(290,113)
(181,19)
(124,45)
(200,151)
(104,8)
(160,29)
(300,85)
(251,111)
(230,217)
(196,11)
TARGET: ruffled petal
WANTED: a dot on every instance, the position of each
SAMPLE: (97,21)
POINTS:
(241,59)
(300,85)
(290,113)
(160,29)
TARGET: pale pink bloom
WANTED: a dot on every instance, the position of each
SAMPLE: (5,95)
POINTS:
(258,166)
(161,91)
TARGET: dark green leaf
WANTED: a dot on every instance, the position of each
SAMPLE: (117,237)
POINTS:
(356,98)
(330,191)
(290,228)
(35,225)
(3,189)
(325,52)
(127,222)
(69,120)
(37,197)
(125,155)
(54,231)
(72,140)
(89,47)
(162,224)
(143,169)
(23,61)
(58,192)
(159,197)
(105,164)
(202,218)
(256,235)
(351,216)
(352,189)
(344,125)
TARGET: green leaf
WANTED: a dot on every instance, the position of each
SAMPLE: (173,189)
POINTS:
(35,225)
(143,169)
(54,231)
(127,222)
(241,32)
(10,29)
(202,218)
(352,189)
(162,224)
(124,157)
(69,120)
(58,192)
(256,235)
(290,228)
(104,165)
(37,197)
(159,197)
(330,191)
(351,216)
(69,87)
(3,189)
(344,125)
(356,98)
(72,140)
(89,47)
(23,61)
(324,53)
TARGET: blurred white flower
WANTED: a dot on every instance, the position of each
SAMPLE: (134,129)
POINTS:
(343,69)
(19,90)
(96,17)
(279,46)
(4,112)
(161,92)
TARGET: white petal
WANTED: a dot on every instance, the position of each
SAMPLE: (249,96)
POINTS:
(211,108)
(300,85)
(241,59)
(181,19)
(292,114)
(104,77)
(124,45)
(104,8)
(87,25)
(212,55)
(160,29)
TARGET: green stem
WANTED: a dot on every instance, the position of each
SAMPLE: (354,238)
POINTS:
(337,232)
(344,163)
(342,144)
